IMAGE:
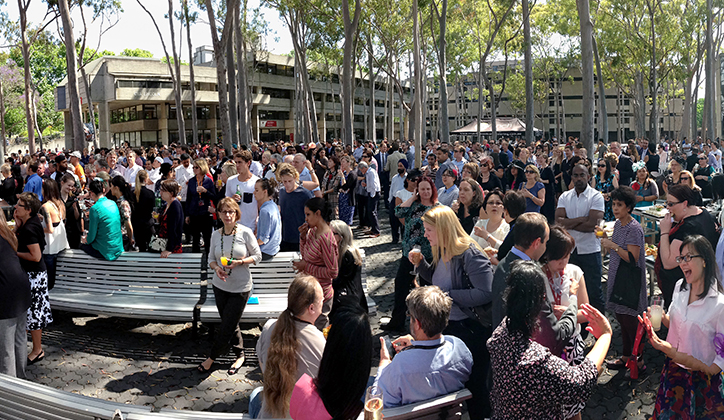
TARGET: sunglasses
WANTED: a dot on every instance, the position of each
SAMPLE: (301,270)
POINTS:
(685,178)
(529,172)
(602,166)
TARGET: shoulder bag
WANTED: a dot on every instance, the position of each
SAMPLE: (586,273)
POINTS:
(627,284)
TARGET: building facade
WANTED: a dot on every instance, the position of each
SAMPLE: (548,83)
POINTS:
(134,101)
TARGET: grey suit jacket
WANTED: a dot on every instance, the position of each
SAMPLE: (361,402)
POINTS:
(500,282)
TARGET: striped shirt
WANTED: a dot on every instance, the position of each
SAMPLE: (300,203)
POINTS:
(321,255)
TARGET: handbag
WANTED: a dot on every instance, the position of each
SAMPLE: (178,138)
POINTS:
(483,313)
(627,284)
(157,244)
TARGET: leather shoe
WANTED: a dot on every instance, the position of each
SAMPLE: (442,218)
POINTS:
(38,358)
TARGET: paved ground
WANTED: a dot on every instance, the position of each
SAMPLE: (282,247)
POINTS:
(154,364)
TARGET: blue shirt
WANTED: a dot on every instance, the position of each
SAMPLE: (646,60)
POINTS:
(34,184)
(292,211)
(269,228)
(419,374)
(446,196)
(306,176)
(530,206)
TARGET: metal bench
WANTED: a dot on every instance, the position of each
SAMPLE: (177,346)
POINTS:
(446,407)
(25,400)
(136,285)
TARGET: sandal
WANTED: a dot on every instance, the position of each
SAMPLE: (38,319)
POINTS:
(38,358)
(201,369)
(233,369)
(616,364)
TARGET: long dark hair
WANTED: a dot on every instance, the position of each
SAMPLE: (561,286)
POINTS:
(318,204)
(120,183)
(346,362)
(524,297)
(701,246)
(606,174)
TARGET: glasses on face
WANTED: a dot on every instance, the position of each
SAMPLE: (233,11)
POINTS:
(529,172)
(670,204)
(687,258)
(601,165)
(702,158)
(685,178)
(227,212)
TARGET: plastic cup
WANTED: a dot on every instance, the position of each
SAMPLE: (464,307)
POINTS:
(657,312)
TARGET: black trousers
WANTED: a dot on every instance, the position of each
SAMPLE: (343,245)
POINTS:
(372,219)
(288,247)
(395,225)
(361,208)
(475,336)
(404,282)
(201,226)
(230,306)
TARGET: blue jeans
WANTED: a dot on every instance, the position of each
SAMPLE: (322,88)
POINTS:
(255,402)
(591,266)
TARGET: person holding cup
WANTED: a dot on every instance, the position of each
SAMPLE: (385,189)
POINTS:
(691,379)
(626,242)
(233,249)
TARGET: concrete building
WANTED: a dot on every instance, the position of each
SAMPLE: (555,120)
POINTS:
(562,120)
(133,98)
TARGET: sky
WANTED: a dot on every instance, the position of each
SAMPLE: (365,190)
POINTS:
(135,28)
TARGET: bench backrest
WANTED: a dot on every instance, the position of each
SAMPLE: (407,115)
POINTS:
(445,407)
(21,399)
(132,272)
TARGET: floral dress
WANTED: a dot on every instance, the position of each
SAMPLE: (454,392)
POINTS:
(414,233)
(606,186)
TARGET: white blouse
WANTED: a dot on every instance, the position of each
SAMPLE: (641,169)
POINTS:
(692,327)
(500,233)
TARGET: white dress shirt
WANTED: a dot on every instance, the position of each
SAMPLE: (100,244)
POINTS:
(692,327)
(373,182)
(182,177)
(397,184)
(580,206)
(130,174)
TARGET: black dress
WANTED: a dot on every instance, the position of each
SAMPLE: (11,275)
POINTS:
(468,223)
(493,182)
(549,207)
(142,219)
(347,286)
(73,228)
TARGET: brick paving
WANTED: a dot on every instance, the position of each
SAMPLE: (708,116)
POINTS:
(154,364)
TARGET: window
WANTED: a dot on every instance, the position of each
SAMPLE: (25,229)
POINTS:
(277,93)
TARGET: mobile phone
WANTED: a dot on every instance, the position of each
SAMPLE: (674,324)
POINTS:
(390,348)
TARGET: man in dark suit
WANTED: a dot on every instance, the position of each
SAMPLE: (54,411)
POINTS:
(625,164)
(381,158)
(531,235)
(566,166)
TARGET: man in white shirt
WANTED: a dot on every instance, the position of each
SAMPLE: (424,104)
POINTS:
(716,153)
(397,184)
(459,155)
(358,150)
(372,188)
(184,172)
(579,211)
(132,169)
(155,173)
(115,167)
(241,189)
(305,174)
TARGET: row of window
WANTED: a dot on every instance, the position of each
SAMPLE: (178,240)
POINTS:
(133,113)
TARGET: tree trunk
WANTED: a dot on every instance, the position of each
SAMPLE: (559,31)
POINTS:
(418,78)
(2,119)
(220,58)
(231,77)
(350,33)
(444,127)
(27,76)
(73,94)
(528,58)
(653,82)
(639,105)
(686,117)
(709,80)
(245,104)
(603,109)
(482,80)
(587,75)
(192,79)
(372,123)
(91,110)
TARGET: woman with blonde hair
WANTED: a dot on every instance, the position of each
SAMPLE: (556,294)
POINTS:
(533,190)
(687,178)
(289,347)
(141,218)
(348,284)
(461,269)
(201,192)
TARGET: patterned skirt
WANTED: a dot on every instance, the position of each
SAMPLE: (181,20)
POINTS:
(346,212)
(39,313)
(688,395)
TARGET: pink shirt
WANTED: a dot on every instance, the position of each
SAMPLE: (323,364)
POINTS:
(321,256)
(306,404)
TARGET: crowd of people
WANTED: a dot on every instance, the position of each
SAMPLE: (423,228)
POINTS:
(499,280)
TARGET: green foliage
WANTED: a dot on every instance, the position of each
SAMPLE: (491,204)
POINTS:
(47,61)
(136,52)
(699,112)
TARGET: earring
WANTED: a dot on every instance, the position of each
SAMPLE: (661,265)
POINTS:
(704,264)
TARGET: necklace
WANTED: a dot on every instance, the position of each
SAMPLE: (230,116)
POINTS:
(231,248)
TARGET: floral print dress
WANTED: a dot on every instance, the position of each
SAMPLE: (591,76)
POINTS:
(606,186)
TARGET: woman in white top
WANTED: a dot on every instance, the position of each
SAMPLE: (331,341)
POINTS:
(233,249)
(490,232)
(691,381)
(410,187)
(288,348)
(56,239)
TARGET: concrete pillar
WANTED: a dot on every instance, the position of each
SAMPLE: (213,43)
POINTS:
(162,116)
(104,125)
